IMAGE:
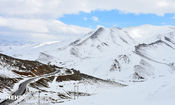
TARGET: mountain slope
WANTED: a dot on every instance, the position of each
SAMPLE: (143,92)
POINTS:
(42,77)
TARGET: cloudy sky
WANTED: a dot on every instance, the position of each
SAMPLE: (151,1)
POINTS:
(52,19)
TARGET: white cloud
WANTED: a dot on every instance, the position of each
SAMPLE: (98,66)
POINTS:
(39,28)
(94,18)
(163,4)
(37,18)
(85,18)
(29,25)
(173,17)
(115,25)
(57,8)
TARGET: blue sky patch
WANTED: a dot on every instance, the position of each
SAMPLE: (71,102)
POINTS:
(116,18)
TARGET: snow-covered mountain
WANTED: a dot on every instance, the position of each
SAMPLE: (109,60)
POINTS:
(109,53)
(124,55)
(116,54)
(148,33)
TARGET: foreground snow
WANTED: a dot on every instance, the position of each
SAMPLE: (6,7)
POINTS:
(152,92)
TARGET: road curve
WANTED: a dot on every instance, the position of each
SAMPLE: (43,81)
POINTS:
(22,88)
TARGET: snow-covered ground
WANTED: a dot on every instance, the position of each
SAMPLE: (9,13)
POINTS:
(59,92)
(159,91)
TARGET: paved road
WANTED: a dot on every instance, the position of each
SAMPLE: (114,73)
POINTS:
(22,88)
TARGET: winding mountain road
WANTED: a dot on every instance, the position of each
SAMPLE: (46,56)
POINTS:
(22,88)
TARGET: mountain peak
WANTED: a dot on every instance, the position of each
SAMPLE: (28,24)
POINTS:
(97,32)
